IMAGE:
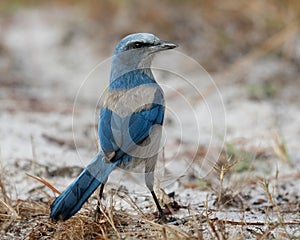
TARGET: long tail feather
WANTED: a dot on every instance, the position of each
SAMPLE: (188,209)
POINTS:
(71,200)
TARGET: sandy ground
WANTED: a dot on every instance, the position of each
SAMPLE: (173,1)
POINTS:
(52,77)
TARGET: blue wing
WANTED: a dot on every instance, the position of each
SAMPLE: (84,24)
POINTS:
(119,134)
(141,123)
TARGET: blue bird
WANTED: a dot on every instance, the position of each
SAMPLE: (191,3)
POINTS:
(130,123)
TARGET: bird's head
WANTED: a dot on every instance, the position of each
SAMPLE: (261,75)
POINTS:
(136,51)
(143,44)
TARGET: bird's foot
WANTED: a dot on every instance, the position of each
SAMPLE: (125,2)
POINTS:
(169,209)
(162,217)
(98,213)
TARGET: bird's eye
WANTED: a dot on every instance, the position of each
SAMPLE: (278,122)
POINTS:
(137,45)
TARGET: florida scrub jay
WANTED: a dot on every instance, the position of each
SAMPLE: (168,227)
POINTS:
(130,123)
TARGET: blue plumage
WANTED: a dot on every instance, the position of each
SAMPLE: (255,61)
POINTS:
(138,125)
(129,125)
(71,200)
(130,80)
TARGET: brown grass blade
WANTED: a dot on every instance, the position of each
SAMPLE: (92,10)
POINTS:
(45,182)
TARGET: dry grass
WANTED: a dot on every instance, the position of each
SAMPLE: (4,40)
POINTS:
(20,219)
(29,220)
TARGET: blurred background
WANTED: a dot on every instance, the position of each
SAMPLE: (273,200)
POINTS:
(251,49)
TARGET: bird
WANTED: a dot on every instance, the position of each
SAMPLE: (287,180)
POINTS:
(129,127)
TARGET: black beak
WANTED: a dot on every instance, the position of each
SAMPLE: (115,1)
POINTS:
(165,45)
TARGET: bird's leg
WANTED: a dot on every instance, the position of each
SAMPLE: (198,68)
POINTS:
(100,197)
(149,178)
(161,212)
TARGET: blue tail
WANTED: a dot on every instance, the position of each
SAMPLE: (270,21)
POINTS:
(72,199)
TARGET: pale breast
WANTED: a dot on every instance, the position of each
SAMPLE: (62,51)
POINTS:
(126,102)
